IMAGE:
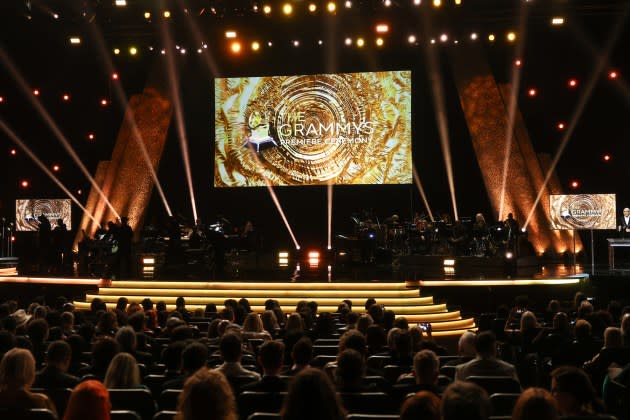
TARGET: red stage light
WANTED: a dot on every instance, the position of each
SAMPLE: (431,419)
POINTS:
(532,92)
(560,126)
(36,92)
(24,183)
(1,99)
(575,184)
(115,76)
(607,158)
(13,152)
(104,102)
(613,75)
(518,63)
(573,83)
(65,97)
(90,136)
(56,168)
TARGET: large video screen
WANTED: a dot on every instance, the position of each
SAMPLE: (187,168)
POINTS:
(28,211)
(352,128)
(583,211)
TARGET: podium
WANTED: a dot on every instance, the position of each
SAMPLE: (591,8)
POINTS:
(612,244)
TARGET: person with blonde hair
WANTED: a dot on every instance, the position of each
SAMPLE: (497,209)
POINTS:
(535,404)
(253,328)
(123,372)
(17,374)
(89,400)
(206,395)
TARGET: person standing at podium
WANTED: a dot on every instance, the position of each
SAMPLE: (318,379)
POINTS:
(623,227)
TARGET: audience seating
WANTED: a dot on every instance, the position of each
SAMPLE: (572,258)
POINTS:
(164,415)
(154,383)
(264,416)
(59,397)
(616,398)
(250,402)
(496,384)
(368,402)
(238,382)
(378,362)
(28,414)
(138,400)
(325,350)
(373,417)
(503,403)
(448,371)
(168,399)
(124,415)
(392,372)
(321,360)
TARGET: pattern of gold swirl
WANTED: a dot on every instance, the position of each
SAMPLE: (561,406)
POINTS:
(583,211)
(341,128)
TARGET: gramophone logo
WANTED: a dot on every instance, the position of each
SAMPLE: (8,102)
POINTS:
(258,131)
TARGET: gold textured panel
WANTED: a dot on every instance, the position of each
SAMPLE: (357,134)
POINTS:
(351,128)
(484,104)
(127,179)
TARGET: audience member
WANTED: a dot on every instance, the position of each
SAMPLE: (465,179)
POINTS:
(193,357)
(574,393)
(465,400)
(89,400)
(301,355)
(231,348)
(423,405)
(123,372)
(17,374)
(206,395)
(270,356)
(54,374)
(485,363)
(312,396)
(535,404)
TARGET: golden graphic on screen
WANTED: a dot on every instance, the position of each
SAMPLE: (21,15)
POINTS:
(582,211)
(350,128)
(27,212)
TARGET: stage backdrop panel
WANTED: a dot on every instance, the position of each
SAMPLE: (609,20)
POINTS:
(583,211)
(352,128)
(27,212)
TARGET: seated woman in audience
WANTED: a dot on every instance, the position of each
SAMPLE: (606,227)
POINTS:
(574,393)
(270,322)
(206,395)
(17,374)
(312,397)
(89,400)
(612,352)
(535,404)
(123,372)
(528,330)
(253,328)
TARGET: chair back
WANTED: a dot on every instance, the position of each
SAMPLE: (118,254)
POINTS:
(138,400)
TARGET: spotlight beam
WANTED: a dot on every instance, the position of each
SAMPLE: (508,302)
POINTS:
(121,97)
(196,33)
(52,125)
(272,193)
(44,168)
(173,81)
(516,82)
(416,180)
(581,106)
(437,88)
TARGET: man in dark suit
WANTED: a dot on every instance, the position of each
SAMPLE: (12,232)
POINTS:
(270,356)
(54,375)
(623,225)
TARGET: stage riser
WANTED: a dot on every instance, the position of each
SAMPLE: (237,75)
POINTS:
(354,295)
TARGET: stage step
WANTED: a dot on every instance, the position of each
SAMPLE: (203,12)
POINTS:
(402,298)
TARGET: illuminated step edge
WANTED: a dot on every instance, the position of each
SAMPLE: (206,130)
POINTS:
(259,299)
(55,281)
(411,316)
(340,294)
(200,303)
(506,282)
(257,285)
